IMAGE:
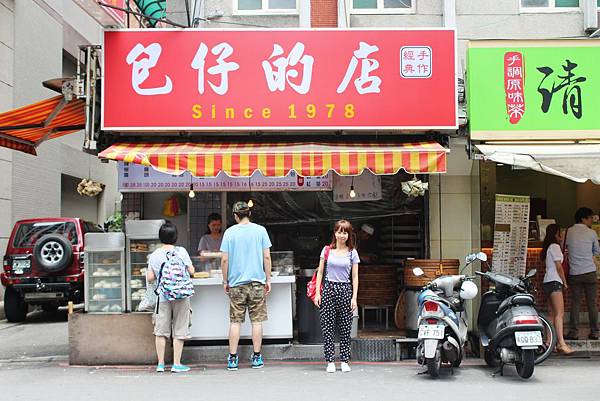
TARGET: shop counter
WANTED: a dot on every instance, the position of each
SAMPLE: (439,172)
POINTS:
(210,306)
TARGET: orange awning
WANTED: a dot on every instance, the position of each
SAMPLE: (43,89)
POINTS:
(277,159)
(25,128)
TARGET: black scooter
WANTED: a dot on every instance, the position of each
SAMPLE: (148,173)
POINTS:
(511,330)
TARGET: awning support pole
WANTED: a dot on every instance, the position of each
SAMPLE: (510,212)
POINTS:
(57,109)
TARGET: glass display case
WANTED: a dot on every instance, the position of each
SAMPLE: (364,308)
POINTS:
(104,272)
(282,263)
(207,265)
(142,240)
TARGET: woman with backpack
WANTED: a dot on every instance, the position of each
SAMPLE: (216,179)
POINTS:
(338,271)
(171,266)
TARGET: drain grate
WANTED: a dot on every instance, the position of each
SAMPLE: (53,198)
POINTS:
(374,350)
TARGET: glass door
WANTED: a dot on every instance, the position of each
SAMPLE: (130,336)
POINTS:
(139,251)
(105,285)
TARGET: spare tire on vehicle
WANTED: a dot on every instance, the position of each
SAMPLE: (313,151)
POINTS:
(52,253)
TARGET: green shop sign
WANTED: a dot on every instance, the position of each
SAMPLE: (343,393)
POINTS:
(546,89)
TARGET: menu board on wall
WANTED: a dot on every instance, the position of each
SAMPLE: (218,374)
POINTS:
(511,234)
(138,178)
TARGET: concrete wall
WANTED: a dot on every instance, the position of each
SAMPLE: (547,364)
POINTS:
(221,15)
(75,205)
(453,198)
(42,30)
(7,55)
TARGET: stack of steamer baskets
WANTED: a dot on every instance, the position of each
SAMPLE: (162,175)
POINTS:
(433,268)
(378,285)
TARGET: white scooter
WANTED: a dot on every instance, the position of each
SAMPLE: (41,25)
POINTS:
(443,320)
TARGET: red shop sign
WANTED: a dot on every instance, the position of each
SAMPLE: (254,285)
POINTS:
(514,85)
(278,79)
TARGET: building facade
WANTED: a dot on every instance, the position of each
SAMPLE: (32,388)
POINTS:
(454,201)
(39,41)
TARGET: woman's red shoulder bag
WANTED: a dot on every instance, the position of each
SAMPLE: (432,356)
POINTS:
(311,287)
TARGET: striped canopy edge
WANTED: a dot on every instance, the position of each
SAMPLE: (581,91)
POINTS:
(277,159)
(25,128)
(308,159)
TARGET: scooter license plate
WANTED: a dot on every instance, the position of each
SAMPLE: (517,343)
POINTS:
(528,338)
(431,331)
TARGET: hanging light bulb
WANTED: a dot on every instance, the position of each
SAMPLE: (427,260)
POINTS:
(250,203)
(352,192)
(191,194)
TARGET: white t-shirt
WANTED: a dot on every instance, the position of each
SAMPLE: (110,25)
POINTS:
(554,254)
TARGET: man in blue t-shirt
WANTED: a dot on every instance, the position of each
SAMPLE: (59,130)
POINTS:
(246,265)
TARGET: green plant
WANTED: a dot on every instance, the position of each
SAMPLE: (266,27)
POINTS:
(115,222)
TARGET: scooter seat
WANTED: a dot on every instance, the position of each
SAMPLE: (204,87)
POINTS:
(515,300)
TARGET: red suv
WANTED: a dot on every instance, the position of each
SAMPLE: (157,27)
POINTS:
(43,265)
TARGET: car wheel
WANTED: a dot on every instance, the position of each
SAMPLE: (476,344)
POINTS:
(15,307)
(52,253)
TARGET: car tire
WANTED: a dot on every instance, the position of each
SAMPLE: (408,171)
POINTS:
(15,306)
(52,253)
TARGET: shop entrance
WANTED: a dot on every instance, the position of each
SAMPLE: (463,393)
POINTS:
(300,225)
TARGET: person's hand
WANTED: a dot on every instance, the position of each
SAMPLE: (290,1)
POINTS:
(267,287)
(565,286)
(226,288)
(353,304)
(317,300)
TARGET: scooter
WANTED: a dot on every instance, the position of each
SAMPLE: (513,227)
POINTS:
(511,330)
(443,320)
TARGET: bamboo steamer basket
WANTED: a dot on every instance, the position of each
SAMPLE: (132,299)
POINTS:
(433,268)
(377,285)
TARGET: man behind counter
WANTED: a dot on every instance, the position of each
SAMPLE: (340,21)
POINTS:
(366,244)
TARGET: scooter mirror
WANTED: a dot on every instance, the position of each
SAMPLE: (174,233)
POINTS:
(531,273)
(482,256)
(417,271)
(470,258)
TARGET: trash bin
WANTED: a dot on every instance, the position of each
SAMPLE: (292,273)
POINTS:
(309,326)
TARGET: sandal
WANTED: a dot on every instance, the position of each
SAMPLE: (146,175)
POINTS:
(566,350)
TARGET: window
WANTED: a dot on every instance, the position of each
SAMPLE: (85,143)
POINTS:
(28,234)
(549,5)
(266,6)
(382,6)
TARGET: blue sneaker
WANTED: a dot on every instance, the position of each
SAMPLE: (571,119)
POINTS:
(232,362)
(160,367)
(179,368)
(257,361)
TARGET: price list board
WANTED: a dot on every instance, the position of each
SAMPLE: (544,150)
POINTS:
(511,234)
(138,178)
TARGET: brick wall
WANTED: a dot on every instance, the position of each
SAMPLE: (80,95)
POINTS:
(534,262)
(323,14)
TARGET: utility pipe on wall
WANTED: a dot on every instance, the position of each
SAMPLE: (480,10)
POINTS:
(304,11)
(449,13)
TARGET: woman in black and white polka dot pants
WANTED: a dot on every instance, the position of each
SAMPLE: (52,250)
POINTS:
(336,311)
(338,271)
